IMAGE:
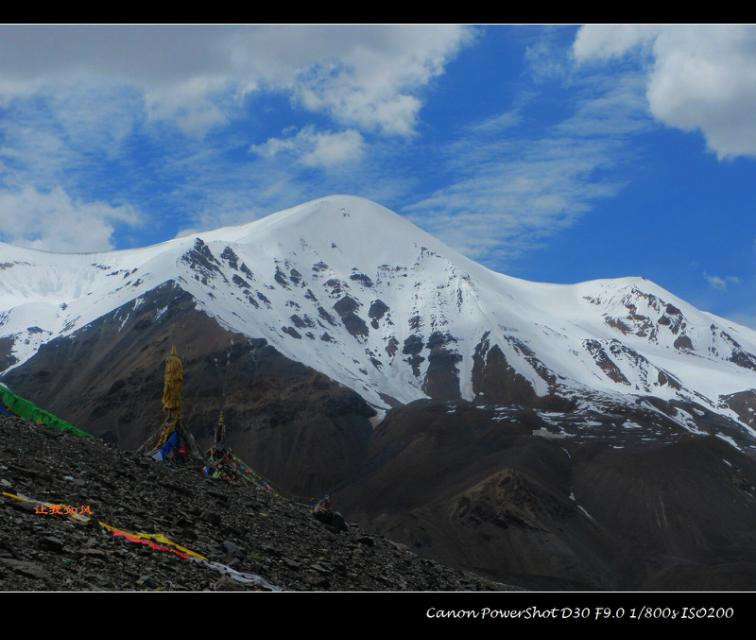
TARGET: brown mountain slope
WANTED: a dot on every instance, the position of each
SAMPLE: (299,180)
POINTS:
(547,512)
(302,430)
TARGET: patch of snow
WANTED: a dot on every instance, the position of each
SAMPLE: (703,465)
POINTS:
(728,440)
(544,433)
(586,513)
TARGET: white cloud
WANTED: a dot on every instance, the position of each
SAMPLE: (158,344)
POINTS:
(545,55)
(602,42)
(68,138)
(721,283)
(250,192)
(703,77)
(371,77)
(617,109)
(498,123)
(93,118)
(512,192)
(315,148)
(83,108)
(511,203)
(53,221)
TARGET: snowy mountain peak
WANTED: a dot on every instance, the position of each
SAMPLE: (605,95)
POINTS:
(361,294)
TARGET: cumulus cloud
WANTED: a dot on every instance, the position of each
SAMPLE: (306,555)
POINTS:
(700,77)
(53,221)
(371,77)
(315,148)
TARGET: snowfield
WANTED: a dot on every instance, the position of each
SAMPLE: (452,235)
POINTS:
(359,293)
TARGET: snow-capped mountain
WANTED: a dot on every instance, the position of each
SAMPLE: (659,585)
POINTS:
(357,292)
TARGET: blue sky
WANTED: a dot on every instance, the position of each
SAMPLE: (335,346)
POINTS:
(554,153)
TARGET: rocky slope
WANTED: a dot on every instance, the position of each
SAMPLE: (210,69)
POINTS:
(246,528)
(531,499)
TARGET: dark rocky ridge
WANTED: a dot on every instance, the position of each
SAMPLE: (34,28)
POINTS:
(202,261)
(241,526)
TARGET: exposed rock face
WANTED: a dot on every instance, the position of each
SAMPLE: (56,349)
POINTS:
(202,261)
(744,404)
(292,332)
(391,346)
(346,308)
(413,345)
(107,378)
(7,358)
(618,324)
(326,316)
(304,321)
(494,380)
(230,256)
(738,355)
(241,282)
(362,278)
(442,376)
(377,310)
(606,364)
(280,278)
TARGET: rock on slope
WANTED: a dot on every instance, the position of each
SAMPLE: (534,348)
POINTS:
(244,527)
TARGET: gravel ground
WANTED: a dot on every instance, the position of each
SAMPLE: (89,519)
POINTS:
(241,526)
